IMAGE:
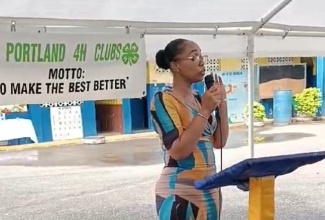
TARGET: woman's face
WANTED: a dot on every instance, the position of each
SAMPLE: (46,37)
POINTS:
(189,64)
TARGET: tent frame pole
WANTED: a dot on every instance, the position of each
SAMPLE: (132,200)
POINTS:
(251,85)
(270,15)
(251,70)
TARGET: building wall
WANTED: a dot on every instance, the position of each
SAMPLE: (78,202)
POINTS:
(241,64)
(156,75)
(157,79)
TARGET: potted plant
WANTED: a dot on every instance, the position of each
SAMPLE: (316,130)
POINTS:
(307,103)
(258,112)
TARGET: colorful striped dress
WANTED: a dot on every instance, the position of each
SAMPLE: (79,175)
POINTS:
(176,196)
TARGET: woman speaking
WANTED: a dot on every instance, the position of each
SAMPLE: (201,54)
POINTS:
(189,131)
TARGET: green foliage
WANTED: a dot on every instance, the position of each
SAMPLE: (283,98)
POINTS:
(307,102)
(259,111)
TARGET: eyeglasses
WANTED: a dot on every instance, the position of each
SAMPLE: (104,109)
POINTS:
(195,58)
(198,58)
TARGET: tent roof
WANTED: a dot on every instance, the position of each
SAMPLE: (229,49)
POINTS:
(140,10)
(169,19)
(306,13)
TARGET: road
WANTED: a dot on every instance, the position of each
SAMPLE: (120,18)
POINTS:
(116,180)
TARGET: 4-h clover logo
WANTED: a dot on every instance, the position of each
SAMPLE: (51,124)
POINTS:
(130,54)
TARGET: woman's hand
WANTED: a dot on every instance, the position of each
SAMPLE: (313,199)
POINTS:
(221,90)
(212,98)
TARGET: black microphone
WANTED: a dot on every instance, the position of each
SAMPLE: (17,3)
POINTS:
(209,81)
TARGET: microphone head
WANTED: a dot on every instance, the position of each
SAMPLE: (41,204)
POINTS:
(209,81)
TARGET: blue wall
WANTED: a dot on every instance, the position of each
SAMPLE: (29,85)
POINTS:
(41,119)
(320,72)
(138,113)
(127,119)
(88,115)
(133,115)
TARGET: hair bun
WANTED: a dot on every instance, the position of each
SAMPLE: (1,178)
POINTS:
(161,60)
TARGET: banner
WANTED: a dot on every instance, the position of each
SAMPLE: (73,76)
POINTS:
(236,88)
(41,68)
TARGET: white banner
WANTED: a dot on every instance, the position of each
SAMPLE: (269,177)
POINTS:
(42,68)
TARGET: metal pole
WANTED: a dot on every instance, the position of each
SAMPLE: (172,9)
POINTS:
(251,74)
(251,85)
(270,15)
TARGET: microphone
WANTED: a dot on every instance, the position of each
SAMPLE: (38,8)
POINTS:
(209,81)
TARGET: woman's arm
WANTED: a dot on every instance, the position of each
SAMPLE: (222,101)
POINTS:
(220,136)
(178,141)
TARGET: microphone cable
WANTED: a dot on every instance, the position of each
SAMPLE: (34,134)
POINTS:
(218,118)
(209,81)
(221,162)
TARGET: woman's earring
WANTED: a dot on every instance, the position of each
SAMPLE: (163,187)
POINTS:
(177,70)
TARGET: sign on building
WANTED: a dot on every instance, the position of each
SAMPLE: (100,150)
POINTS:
(236,87)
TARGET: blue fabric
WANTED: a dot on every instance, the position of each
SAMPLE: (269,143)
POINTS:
(239,174)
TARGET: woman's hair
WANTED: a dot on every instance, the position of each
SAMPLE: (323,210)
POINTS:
(166,56)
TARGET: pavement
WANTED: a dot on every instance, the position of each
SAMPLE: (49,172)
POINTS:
(116,180)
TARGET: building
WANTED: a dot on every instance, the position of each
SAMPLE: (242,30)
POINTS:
(127,116)
(57,121)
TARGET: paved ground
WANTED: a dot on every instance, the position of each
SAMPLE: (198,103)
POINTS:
(116,180)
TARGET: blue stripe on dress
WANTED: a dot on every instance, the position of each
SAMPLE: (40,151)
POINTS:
(166,208)
(212,212)
(203,149)
(189,212)
(163,115)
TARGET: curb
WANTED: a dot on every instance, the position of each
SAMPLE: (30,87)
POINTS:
(74,142)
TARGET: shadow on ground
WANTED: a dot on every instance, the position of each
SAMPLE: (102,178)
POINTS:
(238,138)
(280,137)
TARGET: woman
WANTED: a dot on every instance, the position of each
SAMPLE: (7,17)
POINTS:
(189,132)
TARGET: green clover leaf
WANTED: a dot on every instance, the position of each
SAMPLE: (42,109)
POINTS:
(130,54)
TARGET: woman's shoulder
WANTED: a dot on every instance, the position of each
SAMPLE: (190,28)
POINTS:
(166,94)
(168,100)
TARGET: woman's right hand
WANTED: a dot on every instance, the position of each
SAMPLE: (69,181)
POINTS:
(210,100)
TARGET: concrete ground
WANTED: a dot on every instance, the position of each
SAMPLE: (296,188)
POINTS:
(116,180)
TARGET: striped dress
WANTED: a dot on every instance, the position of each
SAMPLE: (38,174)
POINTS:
(176,196)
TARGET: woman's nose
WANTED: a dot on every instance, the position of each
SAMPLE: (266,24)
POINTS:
(201,63)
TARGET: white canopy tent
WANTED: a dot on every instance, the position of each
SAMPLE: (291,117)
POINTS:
(241,28)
